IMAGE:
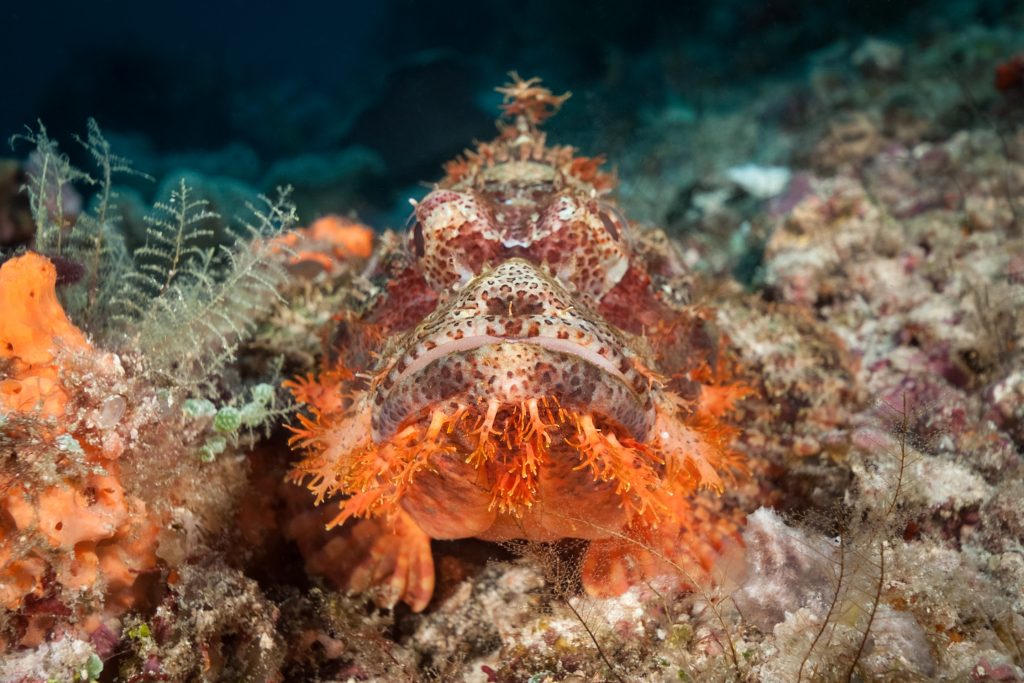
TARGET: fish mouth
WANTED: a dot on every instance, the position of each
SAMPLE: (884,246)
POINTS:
(467,344)
(512,334)
(484,375)
(500,426)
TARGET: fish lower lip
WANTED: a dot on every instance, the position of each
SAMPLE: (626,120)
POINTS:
(478,370)
(551,344)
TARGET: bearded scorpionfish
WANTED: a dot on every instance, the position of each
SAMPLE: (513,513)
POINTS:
(522,374)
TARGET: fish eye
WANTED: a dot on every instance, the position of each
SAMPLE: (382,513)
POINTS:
(614,222)
(415,230)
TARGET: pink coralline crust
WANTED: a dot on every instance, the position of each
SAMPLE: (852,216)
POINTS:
(542,389)
(82,532)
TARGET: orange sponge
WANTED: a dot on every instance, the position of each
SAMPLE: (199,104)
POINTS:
(32,327)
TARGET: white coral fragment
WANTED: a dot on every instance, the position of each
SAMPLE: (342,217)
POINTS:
(762,182)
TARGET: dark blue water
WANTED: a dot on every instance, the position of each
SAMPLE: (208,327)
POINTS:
(409,81)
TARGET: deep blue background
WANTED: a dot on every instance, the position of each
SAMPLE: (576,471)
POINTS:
(411,80)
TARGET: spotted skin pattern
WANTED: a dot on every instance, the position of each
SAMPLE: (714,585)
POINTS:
(513,334)
(522,376)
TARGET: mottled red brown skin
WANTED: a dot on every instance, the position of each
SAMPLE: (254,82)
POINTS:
(530,382)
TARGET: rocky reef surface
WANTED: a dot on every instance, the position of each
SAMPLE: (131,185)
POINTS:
(859,231)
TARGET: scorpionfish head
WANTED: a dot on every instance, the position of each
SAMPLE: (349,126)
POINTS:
(521,403)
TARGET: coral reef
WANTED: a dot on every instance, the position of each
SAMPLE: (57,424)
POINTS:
(103,435)
(818,355)
(70,528)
